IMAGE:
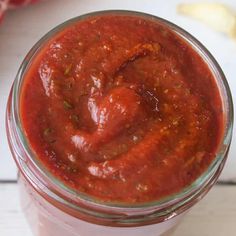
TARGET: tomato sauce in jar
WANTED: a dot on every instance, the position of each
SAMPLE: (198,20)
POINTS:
(122,109)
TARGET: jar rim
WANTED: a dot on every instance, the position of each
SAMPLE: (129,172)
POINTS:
(188,191)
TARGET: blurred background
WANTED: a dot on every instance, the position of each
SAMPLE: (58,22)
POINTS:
(21,28)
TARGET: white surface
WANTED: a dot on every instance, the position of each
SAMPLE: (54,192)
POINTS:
(23,27)
(213,216)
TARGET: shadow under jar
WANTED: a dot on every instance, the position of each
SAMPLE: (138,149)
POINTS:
(119,122)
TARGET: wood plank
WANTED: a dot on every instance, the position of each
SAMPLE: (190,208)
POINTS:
(12,221)
(214,215)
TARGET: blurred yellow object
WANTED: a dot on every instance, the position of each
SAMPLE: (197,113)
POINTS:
(218,16)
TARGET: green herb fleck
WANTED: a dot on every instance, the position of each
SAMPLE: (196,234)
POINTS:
(68,69)
(52,141)
(177,86)
(67,105)
(74,118)
(48,135)
(47,131)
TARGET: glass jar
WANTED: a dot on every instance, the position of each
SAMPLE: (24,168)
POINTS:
(54,209)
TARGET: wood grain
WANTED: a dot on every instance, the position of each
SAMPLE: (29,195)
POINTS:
(215,215)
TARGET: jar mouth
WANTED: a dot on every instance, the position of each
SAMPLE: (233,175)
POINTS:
(179,197)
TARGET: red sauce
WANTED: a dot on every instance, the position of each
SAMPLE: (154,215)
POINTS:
(122,109)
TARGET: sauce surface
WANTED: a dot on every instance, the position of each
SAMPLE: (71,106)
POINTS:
(122,109)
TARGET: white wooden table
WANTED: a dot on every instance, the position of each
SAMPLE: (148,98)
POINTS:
(216,214)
